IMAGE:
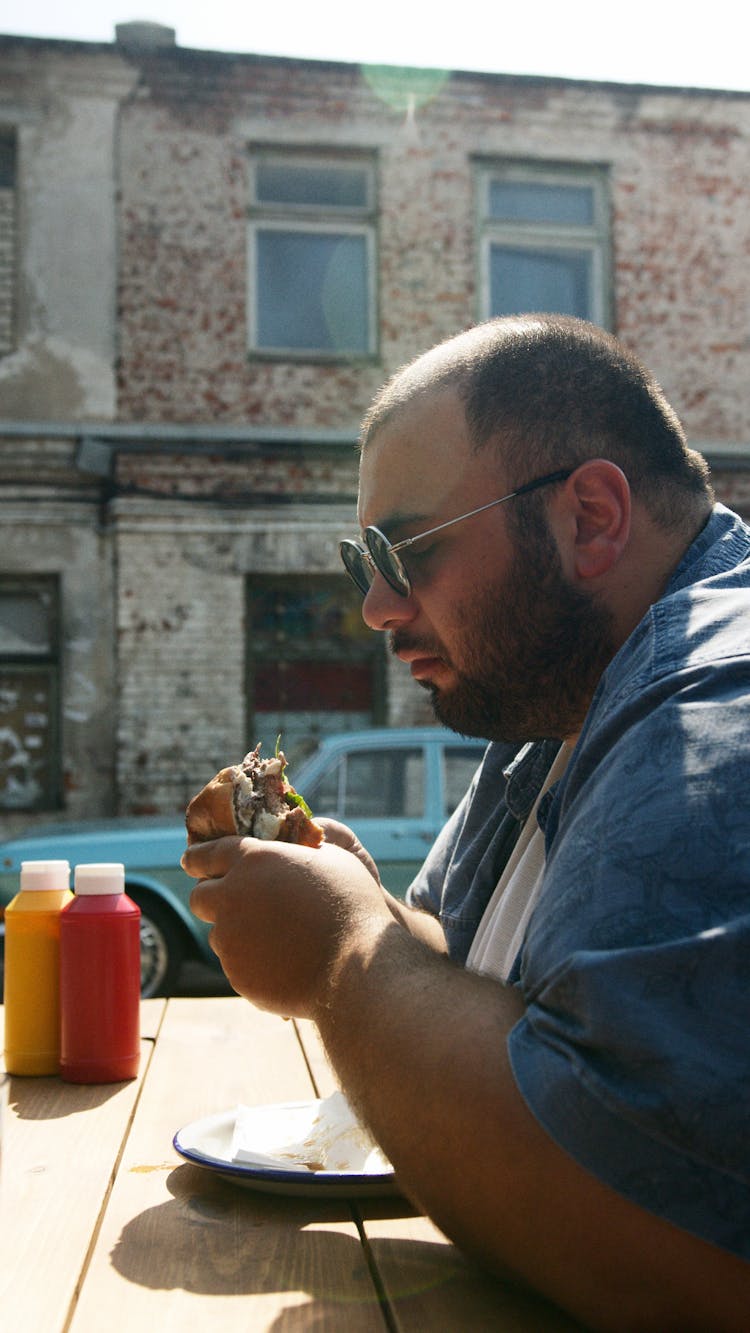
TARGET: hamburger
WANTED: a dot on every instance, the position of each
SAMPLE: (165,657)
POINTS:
(253,797)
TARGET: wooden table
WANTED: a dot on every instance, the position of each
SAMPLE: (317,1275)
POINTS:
(104,1226)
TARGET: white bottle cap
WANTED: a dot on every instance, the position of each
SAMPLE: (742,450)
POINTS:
(109,877)
(45,875)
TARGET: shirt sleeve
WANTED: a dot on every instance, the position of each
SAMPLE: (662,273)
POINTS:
(634,1051)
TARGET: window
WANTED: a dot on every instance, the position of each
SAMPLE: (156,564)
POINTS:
(544,241)
(461,764)
(29,688)
(314,667)
(373,784)
(7,240)
(311,256)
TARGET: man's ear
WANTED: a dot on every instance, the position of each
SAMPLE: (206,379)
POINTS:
(597,502)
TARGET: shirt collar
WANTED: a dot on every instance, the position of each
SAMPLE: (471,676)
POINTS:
(525,774)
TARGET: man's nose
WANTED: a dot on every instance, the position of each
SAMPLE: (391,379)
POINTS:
(383,608)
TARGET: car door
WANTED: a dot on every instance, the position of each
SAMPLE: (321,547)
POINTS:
(382,792)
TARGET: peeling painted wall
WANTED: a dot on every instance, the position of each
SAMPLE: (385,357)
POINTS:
(678,165)
(131,306)
(64,107)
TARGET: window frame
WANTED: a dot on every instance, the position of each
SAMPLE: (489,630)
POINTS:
(394,760)
(594,238)
(9,167)
(49,664)
(311,219)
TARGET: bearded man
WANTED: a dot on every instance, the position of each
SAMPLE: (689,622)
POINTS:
(563,1086)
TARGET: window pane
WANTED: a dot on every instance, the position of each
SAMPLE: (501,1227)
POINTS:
(27,713)
(326,186)
(302,730)
(460,767)
(343,686)
(413,792)
(303,700)
(312,291)
(323,796)
(384,784)
(530,201)
(313,665)
(288,615)
(25,623)
(7,160)
(552,280)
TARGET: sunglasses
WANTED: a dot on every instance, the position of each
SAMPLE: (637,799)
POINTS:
(375,554)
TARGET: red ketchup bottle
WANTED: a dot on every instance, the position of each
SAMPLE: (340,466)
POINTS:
(100,979)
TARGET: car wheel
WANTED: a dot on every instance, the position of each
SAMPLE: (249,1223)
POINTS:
(162,947)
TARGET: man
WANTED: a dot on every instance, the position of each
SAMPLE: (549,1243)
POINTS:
(571,1107)
(471,852)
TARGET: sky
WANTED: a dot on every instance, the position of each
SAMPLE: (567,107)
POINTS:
(658,42)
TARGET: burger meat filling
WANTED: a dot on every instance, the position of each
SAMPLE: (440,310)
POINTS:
(259,797)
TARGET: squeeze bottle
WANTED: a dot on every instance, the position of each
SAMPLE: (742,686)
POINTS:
(32,964)
(100,979)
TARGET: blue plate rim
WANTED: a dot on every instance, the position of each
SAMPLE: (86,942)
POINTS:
(281,1175)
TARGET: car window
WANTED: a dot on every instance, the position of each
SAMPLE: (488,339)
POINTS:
(323,796)
(459,766)
(384,784)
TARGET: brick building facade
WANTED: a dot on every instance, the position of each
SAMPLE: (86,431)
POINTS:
(177,416)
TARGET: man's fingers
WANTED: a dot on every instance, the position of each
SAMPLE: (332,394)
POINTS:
(202,902)
(208,860)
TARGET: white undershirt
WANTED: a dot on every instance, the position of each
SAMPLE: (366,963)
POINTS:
(501,931)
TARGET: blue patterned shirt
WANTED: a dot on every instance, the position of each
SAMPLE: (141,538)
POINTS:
(634,1052)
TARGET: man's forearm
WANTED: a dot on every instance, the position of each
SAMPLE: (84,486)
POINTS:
(420,1047)
(422,925)
(395,1024)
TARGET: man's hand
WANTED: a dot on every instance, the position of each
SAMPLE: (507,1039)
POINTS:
(282,914)
(340,835)
(418,923)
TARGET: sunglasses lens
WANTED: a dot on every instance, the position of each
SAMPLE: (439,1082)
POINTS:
(387,563)
(357,565)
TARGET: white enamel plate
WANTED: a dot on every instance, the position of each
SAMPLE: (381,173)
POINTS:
(289,1148)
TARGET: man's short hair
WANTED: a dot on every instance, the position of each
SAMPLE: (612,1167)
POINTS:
(551,392)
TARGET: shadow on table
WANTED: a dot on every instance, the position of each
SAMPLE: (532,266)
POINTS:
(214,1238)
(51,1098)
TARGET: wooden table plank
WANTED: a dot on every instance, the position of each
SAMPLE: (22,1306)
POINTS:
(177,1248)
(428,1283)
(152,1013)
(322,1075)
(61,1144)
(181,1249)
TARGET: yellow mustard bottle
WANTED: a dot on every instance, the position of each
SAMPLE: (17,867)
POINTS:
(32,968)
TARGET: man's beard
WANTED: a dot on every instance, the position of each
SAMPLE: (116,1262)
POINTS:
(532,653)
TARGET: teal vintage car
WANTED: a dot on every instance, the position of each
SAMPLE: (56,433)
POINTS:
(395,787)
